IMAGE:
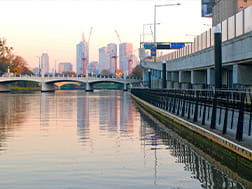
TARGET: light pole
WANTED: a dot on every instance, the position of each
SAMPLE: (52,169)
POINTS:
(38,65)
(55,67)
(155,20)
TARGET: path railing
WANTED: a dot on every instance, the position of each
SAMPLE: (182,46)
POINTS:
(227,112)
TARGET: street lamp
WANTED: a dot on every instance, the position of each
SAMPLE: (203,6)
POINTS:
(149,78)
(155,7)
(38,65)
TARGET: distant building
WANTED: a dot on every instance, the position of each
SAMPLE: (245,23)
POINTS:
(82,58)
(112,57)
(65,67)
(44,64)
(93,68)
(223,9)
(103,59)
(125,56)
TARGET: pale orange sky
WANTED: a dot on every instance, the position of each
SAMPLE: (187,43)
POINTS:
(56,26)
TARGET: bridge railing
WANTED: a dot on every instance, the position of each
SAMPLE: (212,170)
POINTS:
(69,76)
(232,27)
(226,112)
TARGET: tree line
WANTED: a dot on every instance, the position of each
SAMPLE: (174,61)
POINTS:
(9,61)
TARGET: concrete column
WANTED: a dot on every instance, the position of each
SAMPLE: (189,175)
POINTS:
(169,80)
(198,78)
(4,87)
(242,75)
(125,86)
(210,77)
(184,79)
(89,87)
(175,79)
(47,87)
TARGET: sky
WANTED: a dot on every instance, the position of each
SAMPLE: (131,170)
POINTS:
(33,27)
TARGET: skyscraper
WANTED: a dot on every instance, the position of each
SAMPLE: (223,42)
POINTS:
(82,57)
(112,57)
(125,56)
(44,64)
(103,59)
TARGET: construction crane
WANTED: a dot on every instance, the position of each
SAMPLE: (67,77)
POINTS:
(84,58)
(118,36)
(152,33)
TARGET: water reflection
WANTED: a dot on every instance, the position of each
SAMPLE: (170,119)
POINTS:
(97,140)
(210,175)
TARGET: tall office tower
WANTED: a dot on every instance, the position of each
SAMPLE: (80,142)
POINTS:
(103,59)
(224,9)
(44,64)
(82,58)
(112,57)
(65,67)
(125,56)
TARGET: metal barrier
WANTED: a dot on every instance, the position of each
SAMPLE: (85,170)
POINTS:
(229,112)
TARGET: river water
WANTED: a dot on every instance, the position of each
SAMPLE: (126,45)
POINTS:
(74,139)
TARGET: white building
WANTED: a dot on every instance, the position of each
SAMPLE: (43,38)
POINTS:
(44,64)
(103,59)
(82,58)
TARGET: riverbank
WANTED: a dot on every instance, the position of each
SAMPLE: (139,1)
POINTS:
(25,89)
(224,150)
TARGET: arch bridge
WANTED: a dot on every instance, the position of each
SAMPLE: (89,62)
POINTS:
(48,83)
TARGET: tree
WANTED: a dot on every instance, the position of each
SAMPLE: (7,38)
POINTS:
(16,64)
(19,66)
(5,56)
(137,72)
(105,73)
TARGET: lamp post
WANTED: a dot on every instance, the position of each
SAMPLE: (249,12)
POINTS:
(155,11)
(38,65)
(149,75)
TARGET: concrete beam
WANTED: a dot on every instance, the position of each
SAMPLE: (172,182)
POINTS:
(242,74)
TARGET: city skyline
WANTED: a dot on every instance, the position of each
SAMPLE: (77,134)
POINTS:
(31,32)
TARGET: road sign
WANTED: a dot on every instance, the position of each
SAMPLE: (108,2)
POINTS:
(153,51)
(163,45)
(177,45)
(149,45)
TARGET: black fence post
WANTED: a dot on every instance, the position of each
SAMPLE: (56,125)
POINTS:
(239,131)
(213,119)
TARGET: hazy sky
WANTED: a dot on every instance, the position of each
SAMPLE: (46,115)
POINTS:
(56,26)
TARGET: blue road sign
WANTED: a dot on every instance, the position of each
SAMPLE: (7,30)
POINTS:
(153,51)
(177,45)
(149,45)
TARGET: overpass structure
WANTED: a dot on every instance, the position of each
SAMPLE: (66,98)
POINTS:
(193,66)
(48,83)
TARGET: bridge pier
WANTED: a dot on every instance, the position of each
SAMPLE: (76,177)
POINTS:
(125,86)
(89,87)
(4,88)
(47,87)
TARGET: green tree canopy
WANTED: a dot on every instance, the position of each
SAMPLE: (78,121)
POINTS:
(137,72)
